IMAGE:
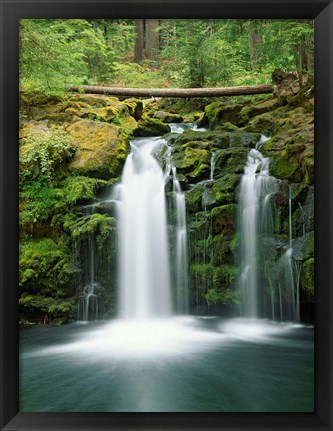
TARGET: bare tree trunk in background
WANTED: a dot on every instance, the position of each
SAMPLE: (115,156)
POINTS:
(138,51)
(152,38)
(255,46)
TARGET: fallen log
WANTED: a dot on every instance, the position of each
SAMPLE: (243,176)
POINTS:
(175,92)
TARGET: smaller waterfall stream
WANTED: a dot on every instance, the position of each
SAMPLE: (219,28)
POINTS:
(265,277)
(254,223)
(88,303)
(181,247)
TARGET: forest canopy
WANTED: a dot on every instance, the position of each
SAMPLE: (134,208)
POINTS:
(160,53)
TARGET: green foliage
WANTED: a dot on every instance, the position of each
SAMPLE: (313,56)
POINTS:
(46,267)
(225,297)
(80,188)
(307,278)
(55,53)
(39,201)
(41,152)
(135,75)
(192,52)
(46,304)
(224,275)
(98,226)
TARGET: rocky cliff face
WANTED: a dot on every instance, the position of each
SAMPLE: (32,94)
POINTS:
(73,149)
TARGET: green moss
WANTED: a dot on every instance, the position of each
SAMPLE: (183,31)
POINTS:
(224,220)
(192,162)
(193,199)
(167,117)
(218,113)
(151,127)
(307,278)
(48,278)
(221,139)
(282,168)
(224,275)
(102,149)
(99,226)
(225,297)
(79,188)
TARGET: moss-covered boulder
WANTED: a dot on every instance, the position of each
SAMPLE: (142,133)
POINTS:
(219,139)
(192,161)
(224,220)
(259,108)
(307,279)
(47,281)
(102,149)
(220,112)
(168,117)
(151,127)
(292,147)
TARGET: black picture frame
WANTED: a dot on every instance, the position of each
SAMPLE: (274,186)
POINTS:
(14,10)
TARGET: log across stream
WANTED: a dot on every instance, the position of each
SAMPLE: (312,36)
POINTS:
(175,92)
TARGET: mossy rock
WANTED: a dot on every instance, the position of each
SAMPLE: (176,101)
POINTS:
(33,127)
(282,168)
(167,117)
(193,198)
(105,113)
(194,163)
(102,149)
(307,279)
(135,108)
(254,109)
(219,139)
(151,127)
(219,112)
(264,124)
(222,252)
(94,100)
(224,220)
(231,161)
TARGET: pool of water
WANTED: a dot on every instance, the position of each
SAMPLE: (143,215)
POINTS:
(185,364)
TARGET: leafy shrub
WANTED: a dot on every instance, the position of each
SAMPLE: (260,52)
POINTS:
(42,152)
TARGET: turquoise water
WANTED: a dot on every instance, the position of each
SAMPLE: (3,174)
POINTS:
(186,365)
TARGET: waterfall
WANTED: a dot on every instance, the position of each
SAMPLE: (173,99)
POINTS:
(144,274)
(212,165)
(181,247)
(255,224)
(88,302)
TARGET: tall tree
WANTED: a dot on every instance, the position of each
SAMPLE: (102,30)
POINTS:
(255,48)
(139,40)
(152,39)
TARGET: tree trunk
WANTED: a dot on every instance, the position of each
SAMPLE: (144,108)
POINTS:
(255,49)
(176,92)
(152,39)
(138,51)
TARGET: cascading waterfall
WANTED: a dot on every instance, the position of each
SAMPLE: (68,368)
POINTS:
(144,273)
(255,224)
(293,269)
(88,303)
(181,247)
(212,165)
(261,274)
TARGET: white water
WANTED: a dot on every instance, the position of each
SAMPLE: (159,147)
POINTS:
(88,303)
(144,273)
(212,165)
(255,217)
(181,247)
